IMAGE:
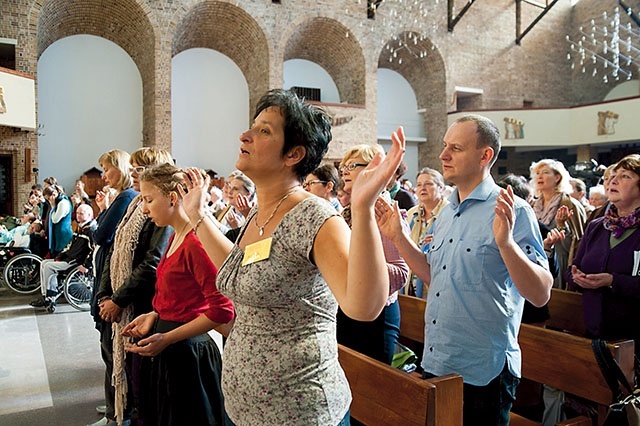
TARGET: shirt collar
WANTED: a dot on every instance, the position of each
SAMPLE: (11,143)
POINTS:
(482,192)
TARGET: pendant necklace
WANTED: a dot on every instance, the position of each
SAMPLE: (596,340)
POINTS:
(284,197)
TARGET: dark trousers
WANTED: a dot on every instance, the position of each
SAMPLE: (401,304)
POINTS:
(488,405)
(376,338)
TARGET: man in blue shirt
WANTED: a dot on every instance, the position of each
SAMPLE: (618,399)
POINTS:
(485,258)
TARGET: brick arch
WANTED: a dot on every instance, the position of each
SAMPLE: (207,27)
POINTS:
(335,48)
(231,31)
(427,76)
(125,23)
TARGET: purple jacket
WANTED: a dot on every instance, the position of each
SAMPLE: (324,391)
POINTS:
(609,313)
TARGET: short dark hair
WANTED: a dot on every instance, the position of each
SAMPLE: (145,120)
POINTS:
(304,125)
(519,184)
(328,173)
(488,133)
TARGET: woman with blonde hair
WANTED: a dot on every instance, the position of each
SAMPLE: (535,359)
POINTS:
(555,208)
(126,288)
(186,363)
(112,202)
(376,338)
(429,190)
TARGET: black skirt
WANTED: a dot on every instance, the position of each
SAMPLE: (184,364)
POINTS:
(185,382)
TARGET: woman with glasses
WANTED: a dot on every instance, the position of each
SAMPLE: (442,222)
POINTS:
(293,263)
(127,288)
(323,182)
(376,338)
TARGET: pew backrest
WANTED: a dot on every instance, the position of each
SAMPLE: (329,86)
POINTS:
(383,395)
(565,311)
(554,358)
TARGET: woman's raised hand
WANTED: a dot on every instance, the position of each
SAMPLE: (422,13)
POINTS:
(375,177)
(195,197)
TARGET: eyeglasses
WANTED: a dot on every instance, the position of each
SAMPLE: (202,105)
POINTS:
(138,169)
(305,185)
(351,167)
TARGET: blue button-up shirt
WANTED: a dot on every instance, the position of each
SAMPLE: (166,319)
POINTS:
(473,307)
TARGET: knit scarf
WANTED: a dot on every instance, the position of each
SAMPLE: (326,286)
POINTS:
(125,243)
(547,214)
(616,224)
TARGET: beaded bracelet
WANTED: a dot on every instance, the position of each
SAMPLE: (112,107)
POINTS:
(195,228)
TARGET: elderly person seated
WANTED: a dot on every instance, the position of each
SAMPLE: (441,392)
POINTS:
(17,234)
(77,253)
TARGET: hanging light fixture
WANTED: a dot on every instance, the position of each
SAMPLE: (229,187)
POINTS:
(607,49)
(406,27)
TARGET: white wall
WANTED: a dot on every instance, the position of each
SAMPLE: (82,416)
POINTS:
(397,106)
(624,90)
(210,108)
(303,73)
(568,127)
(89,102)
(18,100)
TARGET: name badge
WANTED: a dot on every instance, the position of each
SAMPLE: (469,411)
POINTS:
(257,251)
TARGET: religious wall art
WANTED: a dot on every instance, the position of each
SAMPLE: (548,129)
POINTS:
(606,122)
(513,128)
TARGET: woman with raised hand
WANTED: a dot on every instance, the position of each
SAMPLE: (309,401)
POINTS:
(377,338)
(555,208)
(186,363)
(293,263)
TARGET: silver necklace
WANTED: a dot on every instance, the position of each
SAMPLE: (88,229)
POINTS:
(284,197)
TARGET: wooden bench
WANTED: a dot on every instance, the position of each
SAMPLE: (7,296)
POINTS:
(557,359)
(565,311)
(383,395)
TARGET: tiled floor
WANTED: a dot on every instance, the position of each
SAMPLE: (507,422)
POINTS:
(51,372)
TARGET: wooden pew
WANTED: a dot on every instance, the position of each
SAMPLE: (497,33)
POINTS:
(383,395)
(557,359)
(565,310)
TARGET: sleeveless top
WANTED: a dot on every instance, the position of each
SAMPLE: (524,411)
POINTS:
(281,359)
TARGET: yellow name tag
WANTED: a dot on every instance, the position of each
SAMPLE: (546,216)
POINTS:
(257,251)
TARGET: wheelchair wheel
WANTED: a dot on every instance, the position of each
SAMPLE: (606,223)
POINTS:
(22,273)
(78,288)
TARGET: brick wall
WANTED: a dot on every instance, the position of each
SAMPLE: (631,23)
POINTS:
(259,36)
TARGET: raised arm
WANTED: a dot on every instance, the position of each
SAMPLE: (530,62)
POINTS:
(533,281)
(390,224)
(194,202)
(354,264)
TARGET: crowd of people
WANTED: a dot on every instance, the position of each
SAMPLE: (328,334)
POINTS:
(291,257)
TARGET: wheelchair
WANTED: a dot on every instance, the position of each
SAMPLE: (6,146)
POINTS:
(20,269)
(21,274)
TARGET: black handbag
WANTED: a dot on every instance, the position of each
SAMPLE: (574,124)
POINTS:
(625,407)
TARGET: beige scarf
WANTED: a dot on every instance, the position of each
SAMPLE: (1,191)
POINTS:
(125,243)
